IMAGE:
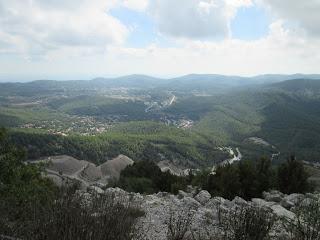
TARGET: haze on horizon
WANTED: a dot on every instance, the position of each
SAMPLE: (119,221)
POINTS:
(84,39)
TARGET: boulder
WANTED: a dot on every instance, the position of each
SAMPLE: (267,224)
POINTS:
(182,194)
(96,189)
(287,204)
(190,203)
(282,212)
(203,197)
(295,198)
(240,201)
(291,200)
(258,202)
(273,196)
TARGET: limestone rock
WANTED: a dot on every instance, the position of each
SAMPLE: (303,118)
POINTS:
(273,196)
(203,197)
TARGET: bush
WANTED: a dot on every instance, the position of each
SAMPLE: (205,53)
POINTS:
(247,223)
(306,226)
(20,186)
(239,223)
(292,177)
(75,216)
(32,208)
(225,182)
(248,180)
(147,177)
(179,225)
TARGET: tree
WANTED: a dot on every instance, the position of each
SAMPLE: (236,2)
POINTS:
(20,186)
(225,182)
(266,175)
(292,177)
(248,180)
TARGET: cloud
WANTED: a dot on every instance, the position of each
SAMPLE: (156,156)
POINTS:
(38,26)
(281,51)
(82,37)
(139,5)
(298,14)
(195,19)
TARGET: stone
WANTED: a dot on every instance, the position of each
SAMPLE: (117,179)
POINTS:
(240,201)
(273,196)
(203,197)
(182,194)
(294,198)
(258,202)
(96,189)
(287,204)
(282,212)
(203,209)
(191,203)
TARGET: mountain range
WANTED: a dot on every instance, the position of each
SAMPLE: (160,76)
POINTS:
(182,119)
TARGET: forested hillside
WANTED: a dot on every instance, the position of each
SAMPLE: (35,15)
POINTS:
(166,119)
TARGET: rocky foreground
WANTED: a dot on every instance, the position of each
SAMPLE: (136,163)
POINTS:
(201,212)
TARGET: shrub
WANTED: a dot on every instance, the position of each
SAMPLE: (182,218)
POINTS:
(247,223)
(147,177)
(32,208)
(76,216)
(239,223)
(306,226)
(225,182)
(292,177)
(179,225)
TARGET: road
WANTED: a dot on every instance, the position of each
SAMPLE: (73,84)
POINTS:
(236,157)
(172,100)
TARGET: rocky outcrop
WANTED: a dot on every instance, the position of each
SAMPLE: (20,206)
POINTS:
(64,170)
(203,209)
(113,168)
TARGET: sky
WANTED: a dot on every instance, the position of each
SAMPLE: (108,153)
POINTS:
(83,39)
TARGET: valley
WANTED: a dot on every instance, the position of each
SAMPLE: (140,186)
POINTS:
(184,121)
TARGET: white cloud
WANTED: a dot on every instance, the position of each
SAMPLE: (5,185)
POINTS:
(195,19)
(138,5)
(282,51)
(303,14)
(81,37)
(38,26)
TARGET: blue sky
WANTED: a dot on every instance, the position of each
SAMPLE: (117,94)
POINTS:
(249,23)
(81,39)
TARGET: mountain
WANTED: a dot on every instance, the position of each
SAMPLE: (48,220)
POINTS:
(182,119)
(190,82)
(286,115)
(269,78)
(301,87)
(140,81)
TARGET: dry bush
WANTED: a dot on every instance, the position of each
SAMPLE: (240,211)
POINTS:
(239,223)
(75,216)
(179,225)
(246,223)
(306,226)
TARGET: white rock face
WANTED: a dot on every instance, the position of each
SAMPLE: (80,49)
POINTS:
(273,196)
(203,197)
(202,209)
(282,212)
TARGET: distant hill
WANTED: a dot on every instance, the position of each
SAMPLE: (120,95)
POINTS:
(208,82)
(305,87)
(282,110)
(285,114)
